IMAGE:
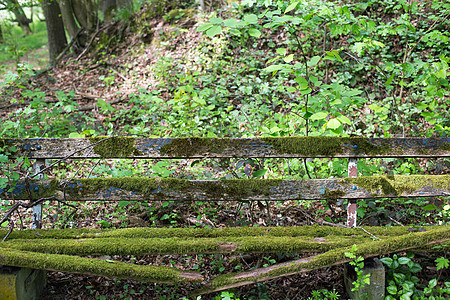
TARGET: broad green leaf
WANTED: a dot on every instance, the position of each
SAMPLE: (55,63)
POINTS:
(260,173)
(204,27)
(429,207)
(344,119)
(291,7)
(215,30)
(216,21)
(387,261)
(313,61)
(289,58)
(291,89)
(416,268)
(254,32)
(333,124)
(306,91)
(281,51)
(319,115)
(303,83)
(251,19)
(403,260)
(76,135)
(231,23)
(273,68)
(352,92)
(392,289)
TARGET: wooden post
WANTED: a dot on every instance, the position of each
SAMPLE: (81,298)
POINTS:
(352,206)
(37,209)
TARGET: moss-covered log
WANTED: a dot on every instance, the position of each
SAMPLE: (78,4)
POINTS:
(154,246)
(131,147)
(98,267)
(420,240)
(150,189)
(315,231)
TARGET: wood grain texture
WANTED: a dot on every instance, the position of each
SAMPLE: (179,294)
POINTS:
(282,147)
(151,189)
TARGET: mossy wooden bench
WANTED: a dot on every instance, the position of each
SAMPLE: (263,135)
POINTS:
(64,249)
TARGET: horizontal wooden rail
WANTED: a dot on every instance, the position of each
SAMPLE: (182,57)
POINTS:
(151,189)
(276,147)
(159,246)
(98,267)
(194,232)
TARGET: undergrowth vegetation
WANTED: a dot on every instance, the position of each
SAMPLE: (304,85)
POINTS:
(249,69)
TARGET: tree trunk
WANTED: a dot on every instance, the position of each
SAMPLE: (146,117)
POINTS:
(21,18)
(55,28)
(68,18)
(107,9)
(86,13)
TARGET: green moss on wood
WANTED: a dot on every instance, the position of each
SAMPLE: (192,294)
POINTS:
(393,244)
(91,266)
(176,245)
(156,187)
(182,147)
(305,231)
(115,147)
(398,185)
(324,146)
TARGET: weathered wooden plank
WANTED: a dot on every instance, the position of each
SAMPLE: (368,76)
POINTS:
(417,240)
(195,232)
(282,147)
(151,189)
(97,267)
(175,245)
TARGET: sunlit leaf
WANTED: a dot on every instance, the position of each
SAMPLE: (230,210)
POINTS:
(289,58)
(251,19)
(333,124)
(215,30)
(254,32)
(319,115)
(291,7)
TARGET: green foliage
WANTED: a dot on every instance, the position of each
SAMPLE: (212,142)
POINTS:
(358,263)
(403,284)
(324,294)
(16,45)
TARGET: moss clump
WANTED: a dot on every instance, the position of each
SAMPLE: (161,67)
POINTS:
(324,146)
(182,147)
(116,147)
(398,185)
